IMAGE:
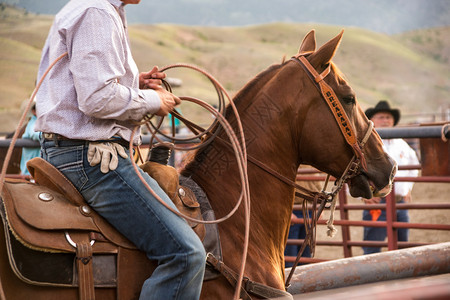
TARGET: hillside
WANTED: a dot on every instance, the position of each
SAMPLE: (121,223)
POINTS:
(384,16)
(410,69)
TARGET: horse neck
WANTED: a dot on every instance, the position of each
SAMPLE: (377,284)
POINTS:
(266,108)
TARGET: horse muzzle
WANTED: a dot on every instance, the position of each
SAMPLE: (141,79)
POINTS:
(388,188)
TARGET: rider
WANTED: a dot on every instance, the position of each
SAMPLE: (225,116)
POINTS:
(86,108)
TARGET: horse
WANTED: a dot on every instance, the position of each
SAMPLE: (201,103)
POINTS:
(286,123)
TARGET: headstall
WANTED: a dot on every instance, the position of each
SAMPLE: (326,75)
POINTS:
(356,162)
(338,112)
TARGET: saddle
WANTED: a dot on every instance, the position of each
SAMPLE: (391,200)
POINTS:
(56,239)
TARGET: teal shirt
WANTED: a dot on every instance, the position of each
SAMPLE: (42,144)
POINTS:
(29,153)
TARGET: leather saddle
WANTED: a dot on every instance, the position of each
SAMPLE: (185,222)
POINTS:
(48,225)
(54,238)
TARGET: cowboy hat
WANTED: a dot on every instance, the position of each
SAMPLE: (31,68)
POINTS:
(383,106)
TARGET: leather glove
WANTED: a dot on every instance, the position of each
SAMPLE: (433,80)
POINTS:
(106,155)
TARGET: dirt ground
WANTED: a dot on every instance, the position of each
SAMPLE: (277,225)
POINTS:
(422,193)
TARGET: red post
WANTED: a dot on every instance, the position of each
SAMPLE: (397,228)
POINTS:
(391,217)
(344,216)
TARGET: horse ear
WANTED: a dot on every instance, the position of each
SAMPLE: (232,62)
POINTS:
(325,53)
(308,43)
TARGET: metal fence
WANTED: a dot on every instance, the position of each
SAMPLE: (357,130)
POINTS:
(391,224)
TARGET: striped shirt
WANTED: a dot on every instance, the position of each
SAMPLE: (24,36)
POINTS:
(93,92)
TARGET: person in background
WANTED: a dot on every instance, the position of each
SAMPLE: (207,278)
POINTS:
(176,121)
(382,115)
(29,133)
(87,108)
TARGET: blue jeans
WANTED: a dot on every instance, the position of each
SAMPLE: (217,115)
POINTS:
(296,231)
(379,233)
(121,198)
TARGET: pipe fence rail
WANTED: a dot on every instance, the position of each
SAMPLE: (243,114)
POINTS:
(432,131)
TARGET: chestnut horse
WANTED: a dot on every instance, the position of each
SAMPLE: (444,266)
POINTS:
(286,123)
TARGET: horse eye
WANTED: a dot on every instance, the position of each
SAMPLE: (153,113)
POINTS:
(349,99)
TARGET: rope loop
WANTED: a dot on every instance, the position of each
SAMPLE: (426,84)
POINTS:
(444,131)
(206,136)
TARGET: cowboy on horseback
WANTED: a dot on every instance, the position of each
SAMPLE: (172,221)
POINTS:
(86,109)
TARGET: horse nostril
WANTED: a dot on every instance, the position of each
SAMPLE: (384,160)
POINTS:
(394,171)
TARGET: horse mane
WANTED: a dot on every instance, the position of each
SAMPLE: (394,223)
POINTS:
(249,91)
(252,87)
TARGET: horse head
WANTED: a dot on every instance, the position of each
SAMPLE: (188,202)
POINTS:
(323,145)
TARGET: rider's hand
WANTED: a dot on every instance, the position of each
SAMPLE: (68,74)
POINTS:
(168,101)
(106,155)
(151,79)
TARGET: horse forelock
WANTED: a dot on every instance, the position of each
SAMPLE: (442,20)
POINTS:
(337,72)
(339,75)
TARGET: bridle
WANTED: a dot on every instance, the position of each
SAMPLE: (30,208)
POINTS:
(335,106)
(357,162)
